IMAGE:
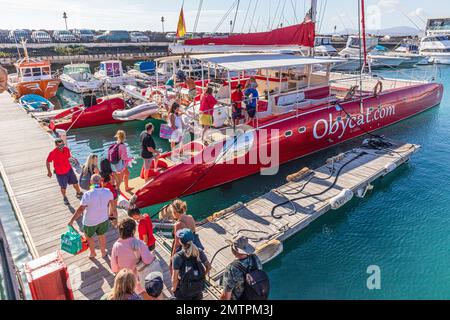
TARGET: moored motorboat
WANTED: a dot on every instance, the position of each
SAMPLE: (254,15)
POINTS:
(94,112)
(33,77)
(111,73)
(35,103)
(78,78)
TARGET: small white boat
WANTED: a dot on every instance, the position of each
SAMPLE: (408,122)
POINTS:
(111,72)
(140,112)
(78,78)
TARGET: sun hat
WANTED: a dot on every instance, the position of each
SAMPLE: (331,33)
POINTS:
(241,245)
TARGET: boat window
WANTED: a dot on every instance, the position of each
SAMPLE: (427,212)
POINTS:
(37,72)
(302,130)
(46,71)
(26,72)
(288,134)
(237,147)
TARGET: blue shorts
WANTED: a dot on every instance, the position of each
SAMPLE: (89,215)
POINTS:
(251,111)
(67,179)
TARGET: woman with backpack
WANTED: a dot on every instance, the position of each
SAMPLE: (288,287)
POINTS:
(89,169)
(190,267)
(119,159)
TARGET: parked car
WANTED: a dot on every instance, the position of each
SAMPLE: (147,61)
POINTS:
(171,36)
(114,36)
(4,37)
(18,35)
(139,37)
(64,36)
(40,36)
(84,35)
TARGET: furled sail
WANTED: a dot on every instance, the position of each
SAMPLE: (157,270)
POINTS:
(301,34)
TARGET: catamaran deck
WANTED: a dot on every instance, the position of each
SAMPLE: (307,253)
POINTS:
(43,217)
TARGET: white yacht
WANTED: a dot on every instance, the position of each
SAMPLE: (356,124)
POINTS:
(324,47)
(435,45)
(111,72)
(436,48)
(78,78)
(376,59)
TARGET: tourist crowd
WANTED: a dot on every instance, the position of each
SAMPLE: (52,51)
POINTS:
(134,260)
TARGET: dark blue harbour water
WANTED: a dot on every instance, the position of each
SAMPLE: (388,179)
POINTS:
(401,226)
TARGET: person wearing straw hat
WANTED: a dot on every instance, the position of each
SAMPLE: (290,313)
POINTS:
(234,277)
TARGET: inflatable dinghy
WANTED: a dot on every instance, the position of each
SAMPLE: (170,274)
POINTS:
(141,112)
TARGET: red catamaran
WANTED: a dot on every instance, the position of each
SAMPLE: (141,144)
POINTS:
(302,108)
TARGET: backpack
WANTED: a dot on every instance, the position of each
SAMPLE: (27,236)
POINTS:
(113,153)
(193,277)
(256,282)
(85,179)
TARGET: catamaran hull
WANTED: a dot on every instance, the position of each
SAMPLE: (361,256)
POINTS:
(298,135)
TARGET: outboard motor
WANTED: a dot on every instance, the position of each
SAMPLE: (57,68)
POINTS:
(89,100)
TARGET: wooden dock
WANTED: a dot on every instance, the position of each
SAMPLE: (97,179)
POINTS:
(43,216)
(37,201)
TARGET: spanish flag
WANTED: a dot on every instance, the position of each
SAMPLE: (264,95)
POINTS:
(181,29)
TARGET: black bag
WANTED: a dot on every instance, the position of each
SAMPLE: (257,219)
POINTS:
(85,179)
(256,282)
(193,278)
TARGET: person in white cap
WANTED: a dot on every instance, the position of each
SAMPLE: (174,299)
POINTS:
(234,277)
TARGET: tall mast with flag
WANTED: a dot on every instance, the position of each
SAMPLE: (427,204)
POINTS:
(181,27)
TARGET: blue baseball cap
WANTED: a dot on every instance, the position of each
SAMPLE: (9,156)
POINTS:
(185,235)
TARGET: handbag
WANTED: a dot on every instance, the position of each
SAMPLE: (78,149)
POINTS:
(71,241)
(165,132)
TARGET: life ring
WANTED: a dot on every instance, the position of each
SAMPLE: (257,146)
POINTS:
(378,89)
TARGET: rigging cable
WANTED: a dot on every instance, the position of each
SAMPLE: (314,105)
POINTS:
(225,17)
(276,13)
(253,17)
(235,16)
(246,15)
(282,14)
(198,17)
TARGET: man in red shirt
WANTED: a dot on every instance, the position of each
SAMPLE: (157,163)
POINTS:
(207,104)
(236,100)
(145,227)
(63,169)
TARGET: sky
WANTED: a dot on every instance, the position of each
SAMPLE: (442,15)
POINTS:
(254,15)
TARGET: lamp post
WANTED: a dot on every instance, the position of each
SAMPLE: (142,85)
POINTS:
(162,22)
(231,27)
(65,19)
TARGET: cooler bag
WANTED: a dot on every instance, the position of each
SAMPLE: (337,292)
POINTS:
(71,241)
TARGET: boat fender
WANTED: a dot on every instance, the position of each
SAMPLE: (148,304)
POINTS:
(378,89)
(298,175)
(390,167)
(269,250)
(341,199)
